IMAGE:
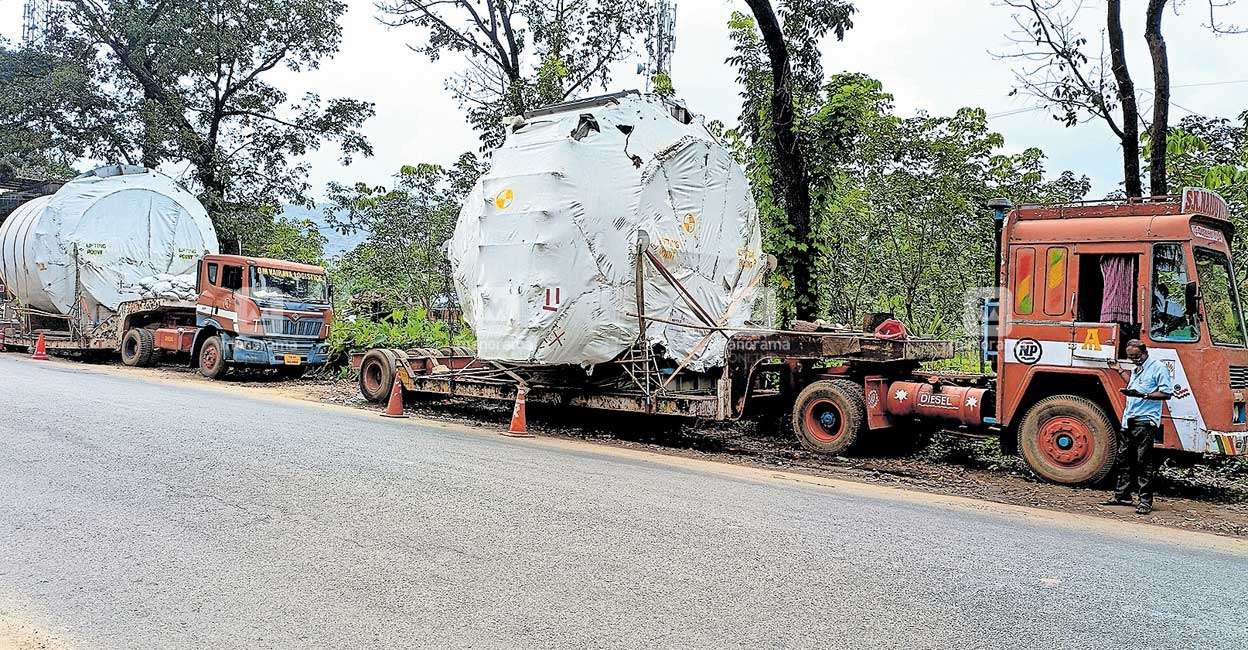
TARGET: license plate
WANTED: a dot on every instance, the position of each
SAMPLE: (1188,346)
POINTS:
(292,359)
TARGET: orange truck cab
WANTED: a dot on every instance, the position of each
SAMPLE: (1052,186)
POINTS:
(1078,281)
(261,312)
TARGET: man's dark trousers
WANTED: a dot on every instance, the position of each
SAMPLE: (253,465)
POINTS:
(1135,460)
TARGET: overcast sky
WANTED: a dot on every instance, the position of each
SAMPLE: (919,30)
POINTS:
(933,55)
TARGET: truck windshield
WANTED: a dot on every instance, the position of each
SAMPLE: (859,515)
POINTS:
(1170,320)
(288,286)
(1217,290)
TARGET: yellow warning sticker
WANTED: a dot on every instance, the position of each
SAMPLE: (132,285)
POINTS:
(504,199)
(689,223)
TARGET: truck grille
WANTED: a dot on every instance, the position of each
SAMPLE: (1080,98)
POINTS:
(292,347)
(1239,377)
(288,327)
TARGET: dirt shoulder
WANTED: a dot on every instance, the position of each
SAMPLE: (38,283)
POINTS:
(1208,495)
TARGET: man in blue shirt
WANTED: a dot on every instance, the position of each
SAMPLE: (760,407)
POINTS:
(1150,386)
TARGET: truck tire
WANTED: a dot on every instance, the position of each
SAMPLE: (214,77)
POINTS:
(212,358)
(1068,439)
(829,416)
(376,376)
(138,348)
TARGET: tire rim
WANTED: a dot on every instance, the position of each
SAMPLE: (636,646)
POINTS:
(372,376)
(208,357)
(824,421)
(130,348)
(1065,441)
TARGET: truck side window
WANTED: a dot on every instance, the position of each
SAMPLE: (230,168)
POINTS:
(1024,281)
(232,278)
(212,274)
(1170,320)
(1055,281)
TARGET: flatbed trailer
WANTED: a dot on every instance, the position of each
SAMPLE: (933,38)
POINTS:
(765,369)
(169,325)
(1075,284)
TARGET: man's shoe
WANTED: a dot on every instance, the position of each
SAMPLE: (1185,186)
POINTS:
(1116,502)
(1143,509)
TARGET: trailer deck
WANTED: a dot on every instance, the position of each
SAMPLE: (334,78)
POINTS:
(639,382)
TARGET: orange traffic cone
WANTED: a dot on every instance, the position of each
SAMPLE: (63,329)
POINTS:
(394,409)
(519,424)
(41,349)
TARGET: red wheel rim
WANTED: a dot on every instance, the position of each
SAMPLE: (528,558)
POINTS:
(1065,441)
(372,376)
(824,420)
(208,357)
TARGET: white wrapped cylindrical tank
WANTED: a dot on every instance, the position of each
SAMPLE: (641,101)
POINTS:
(545,246)
(125,224)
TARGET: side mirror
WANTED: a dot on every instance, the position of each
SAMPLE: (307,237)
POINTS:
(1191,298)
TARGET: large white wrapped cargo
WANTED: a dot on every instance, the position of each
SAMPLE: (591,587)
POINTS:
(127,225)
(544,249)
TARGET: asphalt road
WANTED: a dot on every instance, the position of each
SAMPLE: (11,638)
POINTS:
(137,514)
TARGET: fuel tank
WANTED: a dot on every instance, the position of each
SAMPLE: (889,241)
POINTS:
(961,404)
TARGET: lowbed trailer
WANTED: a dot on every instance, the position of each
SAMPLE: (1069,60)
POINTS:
(1075,283)
(158,325)
(754,381)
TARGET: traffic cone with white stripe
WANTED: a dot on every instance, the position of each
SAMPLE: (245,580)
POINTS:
(394,409)
(519,424)
(41,349)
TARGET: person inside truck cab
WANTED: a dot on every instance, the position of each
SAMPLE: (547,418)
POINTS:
(1150,386)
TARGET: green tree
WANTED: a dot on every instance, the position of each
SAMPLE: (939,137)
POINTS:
(298,240)
(402,258)
(195,73)
(53,114)
(897,216)
(1213,153)
(779,70)
(521,53)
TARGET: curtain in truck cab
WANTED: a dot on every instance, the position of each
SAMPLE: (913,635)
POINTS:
(1118,273)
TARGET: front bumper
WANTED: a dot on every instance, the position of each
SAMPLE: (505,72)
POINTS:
(275,352)
(1227,443)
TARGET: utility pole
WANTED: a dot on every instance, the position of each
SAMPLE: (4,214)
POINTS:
(660,42)
(35,18)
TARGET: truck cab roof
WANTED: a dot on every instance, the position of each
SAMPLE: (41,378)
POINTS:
(265,262)
(1180,217)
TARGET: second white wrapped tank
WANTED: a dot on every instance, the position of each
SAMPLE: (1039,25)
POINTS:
(543,252)
(125,224)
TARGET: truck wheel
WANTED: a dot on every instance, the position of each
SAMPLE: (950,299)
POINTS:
(1068,439)
(829,415)
(376,376)
(212,358)
(138,347)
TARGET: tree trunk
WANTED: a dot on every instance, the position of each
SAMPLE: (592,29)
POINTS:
(150,143)
(791,165)
(1161,103)
(1130,133)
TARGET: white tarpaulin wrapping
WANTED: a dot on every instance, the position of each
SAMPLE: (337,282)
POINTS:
(128,226)
(543,253)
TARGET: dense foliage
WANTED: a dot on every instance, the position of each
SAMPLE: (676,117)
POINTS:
(898,217)
(522,54)
(187,83)
(1213,153)
(402,262)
